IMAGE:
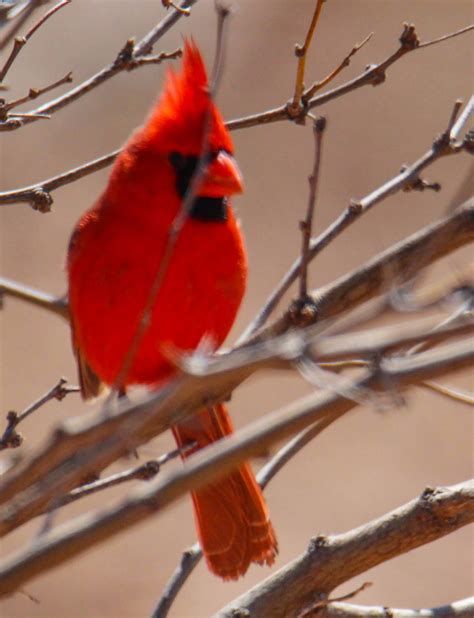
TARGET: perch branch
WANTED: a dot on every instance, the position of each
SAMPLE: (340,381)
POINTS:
(66,541)
(328,563)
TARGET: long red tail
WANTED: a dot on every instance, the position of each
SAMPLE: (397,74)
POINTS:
(232,520)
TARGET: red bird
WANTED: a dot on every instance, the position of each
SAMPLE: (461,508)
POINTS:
(114,256)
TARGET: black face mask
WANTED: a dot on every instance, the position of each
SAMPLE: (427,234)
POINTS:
(204,208)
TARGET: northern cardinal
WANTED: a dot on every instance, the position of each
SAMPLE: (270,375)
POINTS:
(113,258)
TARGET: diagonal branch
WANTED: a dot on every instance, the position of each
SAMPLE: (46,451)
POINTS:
(333,560)
(206,466)
(128,57)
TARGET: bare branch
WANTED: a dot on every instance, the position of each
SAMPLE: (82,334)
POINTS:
(10,437)
(33,93)
(23,16)
(441,146)
(20,42)
(301,52)
(310,92)
(450,393)
(67,464)
(128,57)
(55,304)
(306,226)
(446,37)
(330,561)
(373,76)
(191,557)
(143,472)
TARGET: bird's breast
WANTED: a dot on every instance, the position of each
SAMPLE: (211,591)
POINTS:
(202,285)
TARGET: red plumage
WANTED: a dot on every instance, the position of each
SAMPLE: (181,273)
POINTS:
(114,257)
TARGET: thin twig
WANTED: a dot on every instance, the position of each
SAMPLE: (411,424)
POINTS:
(314,607)
(354,211)
(23,17)
(449,392)
(143,472)
(10,437)
(33,93)
(306,226)
(39,195)
(310,92)
(301,52)
(55,304)
(462,120)
(190,558)
(446,37)
(20,42)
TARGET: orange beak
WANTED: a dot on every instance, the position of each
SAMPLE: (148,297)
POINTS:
(222,177)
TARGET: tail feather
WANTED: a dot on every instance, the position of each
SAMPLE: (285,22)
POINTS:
(231,516)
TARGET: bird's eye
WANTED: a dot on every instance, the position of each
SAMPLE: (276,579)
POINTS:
(177,160)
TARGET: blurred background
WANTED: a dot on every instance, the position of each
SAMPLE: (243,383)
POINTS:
(369,462)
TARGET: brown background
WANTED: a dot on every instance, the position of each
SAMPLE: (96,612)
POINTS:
(370,462)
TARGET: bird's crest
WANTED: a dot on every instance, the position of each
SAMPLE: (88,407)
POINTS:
(179,117)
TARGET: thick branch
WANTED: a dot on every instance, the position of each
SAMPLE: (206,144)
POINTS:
(211,463)
(331,561)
